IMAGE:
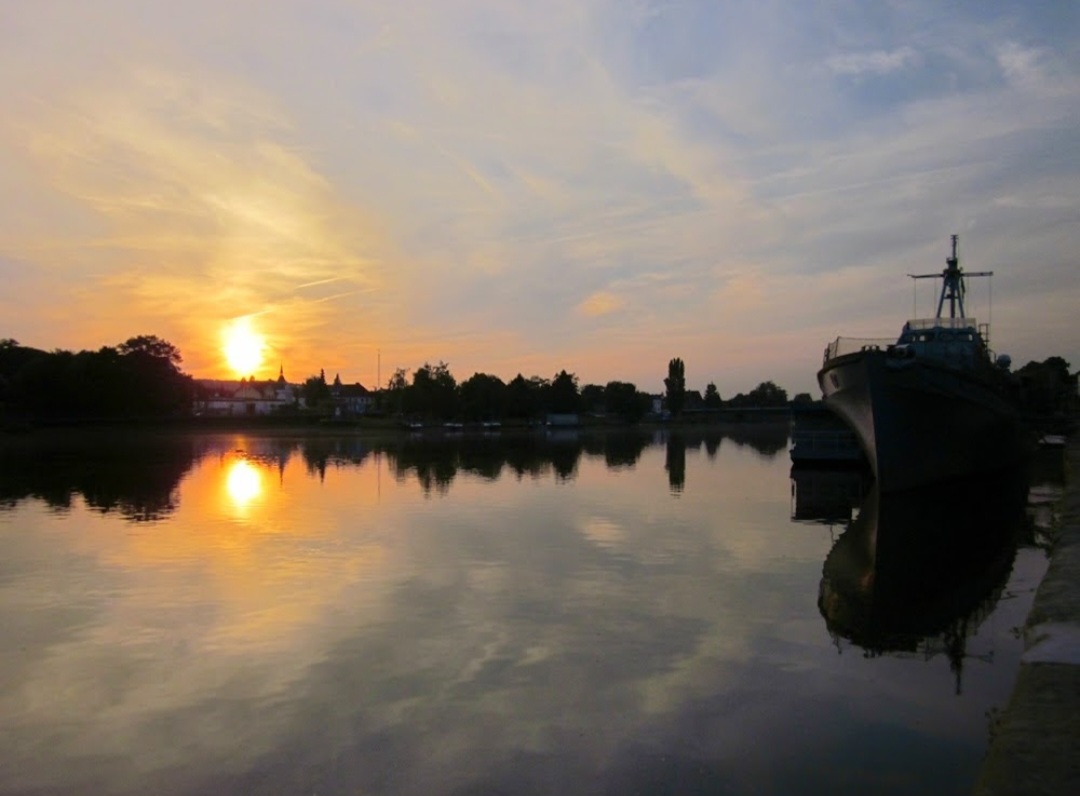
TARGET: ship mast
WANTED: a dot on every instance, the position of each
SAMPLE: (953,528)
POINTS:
(952,283)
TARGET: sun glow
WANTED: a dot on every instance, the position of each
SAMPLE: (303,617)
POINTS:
(243,483)
(243,347)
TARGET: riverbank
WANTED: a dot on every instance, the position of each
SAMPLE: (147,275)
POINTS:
(769,436)
(1035,743)
(770,418)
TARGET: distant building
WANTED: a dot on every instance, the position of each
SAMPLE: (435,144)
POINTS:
(251,397)
(245,398)
(350,400)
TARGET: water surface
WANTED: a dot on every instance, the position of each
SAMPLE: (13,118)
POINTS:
(556,614)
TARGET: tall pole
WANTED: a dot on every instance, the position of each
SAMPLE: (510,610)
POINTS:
(378,370)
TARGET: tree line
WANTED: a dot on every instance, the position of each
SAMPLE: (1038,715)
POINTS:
(434,394)
(141,378)
(138,378)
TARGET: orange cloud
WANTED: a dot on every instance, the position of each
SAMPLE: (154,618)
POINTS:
(202,212)
(599,304)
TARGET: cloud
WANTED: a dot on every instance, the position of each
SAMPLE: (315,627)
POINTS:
(599,304)
(202,208)
(878,62)
(1020,65)
(491,183)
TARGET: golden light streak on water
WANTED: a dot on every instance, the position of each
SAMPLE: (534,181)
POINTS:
(243,483)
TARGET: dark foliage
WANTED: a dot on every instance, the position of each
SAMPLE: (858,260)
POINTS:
(765,394)
(675,384)
(623,400)
(1047,387)
(139,378)
(563,398)
(482,397)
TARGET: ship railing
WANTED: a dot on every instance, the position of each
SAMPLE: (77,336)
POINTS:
(851,345)
(942,323)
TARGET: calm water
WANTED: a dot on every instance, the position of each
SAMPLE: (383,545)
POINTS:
(502,615)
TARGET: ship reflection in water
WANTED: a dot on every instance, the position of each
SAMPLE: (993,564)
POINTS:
(828,496)
(917,572)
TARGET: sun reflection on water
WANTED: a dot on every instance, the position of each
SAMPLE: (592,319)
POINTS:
(243,483)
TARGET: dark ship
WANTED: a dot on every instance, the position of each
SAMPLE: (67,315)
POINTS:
(935,404)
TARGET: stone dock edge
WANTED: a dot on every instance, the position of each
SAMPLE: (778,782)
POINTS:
(1035,742)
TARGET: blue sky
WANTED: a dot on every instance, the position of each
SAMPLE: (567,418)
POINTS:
(588,185)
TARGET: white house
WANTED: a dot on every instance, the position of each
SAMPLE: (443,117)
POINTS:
(244,398)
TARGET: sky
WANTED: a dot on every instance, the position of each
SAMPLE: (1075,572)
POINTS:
(590,185)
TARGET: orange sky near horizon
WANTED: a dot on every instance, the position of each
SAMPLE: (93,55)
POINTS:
(521,188)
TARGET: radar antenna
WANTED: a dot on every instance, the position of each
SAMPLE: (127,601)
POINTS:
(952,282)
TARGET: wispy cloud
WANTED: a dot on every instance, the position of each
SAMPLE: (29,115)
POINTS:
(877,62)
(505,185)
(1020,65)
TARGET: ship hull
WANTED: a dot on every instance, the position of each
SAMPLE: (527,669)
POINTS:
(919,423)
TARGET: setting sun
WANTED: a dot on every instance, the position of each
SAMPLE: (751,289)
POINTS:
(243,347)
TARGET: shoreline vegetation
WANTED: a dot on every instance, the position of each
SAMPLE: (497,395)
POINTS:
(139,384)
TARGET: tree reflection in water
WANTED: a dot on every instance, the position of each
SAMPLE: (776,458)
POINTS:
(135,475)
(675,462)
(138,473)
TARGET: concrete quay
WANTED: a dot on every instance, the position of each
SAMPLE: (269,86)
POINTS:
(1035,746)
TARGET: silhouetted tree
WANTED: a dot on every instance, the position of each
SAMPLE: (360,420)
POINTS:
(482,397)
(675,384)
(764,395)
(1047,386)
(540,388)
(591,398)
(140,377)
(315,391)
(393,400)
(768,394)
(152,346)
(433,392)
(526,398)
(624,400)
(151,373)
(712,396)
(564,393)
